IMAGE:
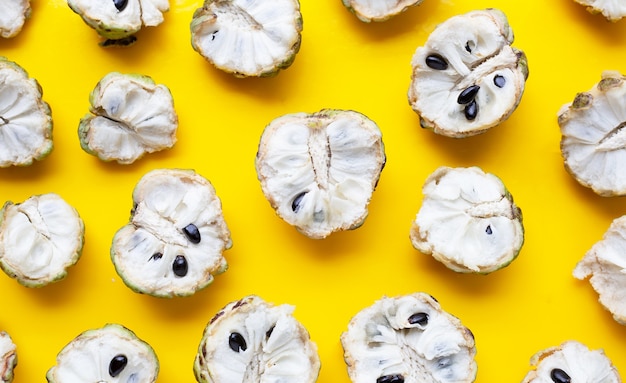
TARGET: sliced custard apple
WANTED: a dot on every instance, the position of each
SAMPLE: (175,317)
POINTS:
(174,241)
(112,354)
(119,20)
(572,361)
(8,357)
(318,171)
(248,38)
(468,221)
(378,10)
(13,15)
(130,116)
(467,78)
(40,239)
(593,138)
(613,10)
(604,265)
(251,340)
(25,119)
(408,339)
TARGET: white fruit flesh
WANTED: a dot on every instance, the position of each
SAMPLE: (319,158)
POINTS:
(613,10)
(13,15)
(378,10)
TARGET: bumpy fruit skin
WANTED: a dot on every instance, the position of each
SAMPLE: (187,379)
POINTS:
(465,52)
(571,361)
(248,39)
(174,242)
(24,137)
(612,10)
(8,357)
(409,339)
(250,340)
(593,136)
(13,15)
(89,356)
(377,11)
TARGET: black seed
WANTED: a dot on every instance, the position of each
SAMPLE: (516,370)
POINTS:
(269,332)
(499,81)
(180,266)
(488,230)
(120,4)
(436,62)
(192,233)
(559,376)
(297,202)
(397,378)
(471,110)
(236,342)
(117,365)
(468,94)
(467,47)
(419,318)
(156,256)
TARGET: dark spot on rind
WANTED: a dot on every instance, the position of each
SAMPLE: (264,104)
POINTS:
(419,318)
(192,233)
(582,100)
(117,365)
(296,204)
(396,378)
(236,342)
(180,267)
(559,376)
(468,94)
(216,316)
(437,62)
(471,110)
(499,81)
(123,42)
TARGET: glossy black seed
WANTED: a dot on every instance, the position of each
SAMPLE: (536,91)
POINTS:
(269,332)
(499,81)
(192,233)
(467,47)
(156,256)
(468,94)
(471,110)
(397,378)
(419,318)
(488,230)
(236,342)
(120,4)
(436,62)
(180,266)
(297,202)
(559,376)
(117,365)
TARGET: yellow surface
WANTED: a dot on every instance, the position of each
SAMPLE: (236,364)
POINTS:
(343,63)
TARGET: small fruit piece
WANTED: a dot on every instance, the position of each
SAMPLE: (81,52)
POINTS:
(129,116)
(571,362)
(318,171)
(467,78)
(8,357)
(111,354)
(468,221)
(613,10)
(604,264)
(593,138)
(25,119)
(174,242)
(13,15)
(248,38)
(408,339)
(40,239)
(378,10)
(251,340)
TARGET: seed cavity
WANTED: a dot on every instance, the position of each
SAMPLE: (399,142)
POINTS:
(488,230)
(468,94)
(180,267)
(236,342)
(396,378)
(192,233)
(156,256)
(437,62)
(419,318)
(117,365)
(499,81)
(120,4)
(559,376)
(471,110)
(296,204)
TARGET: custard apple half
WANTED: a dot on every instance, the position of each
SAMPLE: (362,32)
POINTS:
(408,339)
(467,78)
(251,340)
(378,10)
(119,20)
(613,10)
(174,242)
(112,354)
(605,267)
(571,362)
(13,15)
(40,239)
(130,115)
(468,221)
(25,119)
(248,38)
(8,357)
(318,171)
(593,138)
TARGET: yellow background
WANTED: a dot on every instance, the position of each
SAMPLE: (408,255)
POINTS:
(343,63)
